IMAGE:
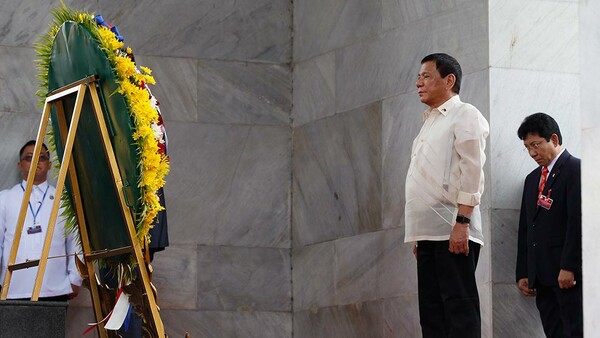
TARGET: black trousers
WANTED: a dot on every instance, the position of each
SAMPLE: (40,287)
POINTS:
(448,297)
(561,310)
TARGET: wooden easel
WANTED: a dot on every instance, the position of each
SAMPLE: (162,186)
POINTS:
(67,135)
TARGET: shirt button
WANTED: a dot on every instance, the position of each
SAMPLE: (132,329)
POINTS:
(534,245)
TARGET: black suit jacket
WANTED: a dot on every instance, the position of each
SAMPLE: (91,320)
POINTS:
(550,240)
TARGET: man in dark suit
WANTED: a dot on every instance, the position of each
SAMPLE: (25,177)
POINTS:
(549,249)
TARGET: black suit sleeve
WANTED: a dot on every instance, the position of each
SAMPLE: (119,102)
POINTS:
(521,271)
(571,254)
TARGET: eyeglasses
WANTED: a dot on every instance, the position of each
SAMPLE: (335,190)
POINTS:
(28,158)
(532,145)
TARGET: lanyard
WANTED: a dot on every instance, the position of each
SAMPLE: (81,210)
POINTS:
(39,206)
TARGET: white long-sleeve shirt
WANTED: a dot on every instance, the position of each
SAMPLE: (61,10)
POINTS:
(61,272)
(446,169)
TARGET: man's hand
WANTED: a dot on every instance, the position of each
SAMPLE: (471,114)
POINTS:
(566,279)
(459,239)
(75,292)
(524,287)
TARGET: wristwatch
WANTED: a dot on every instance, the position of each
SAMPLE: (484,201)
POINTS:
(462,219)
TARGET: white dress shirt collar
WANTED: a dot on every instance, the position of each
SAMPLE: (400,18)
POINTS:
(444,108)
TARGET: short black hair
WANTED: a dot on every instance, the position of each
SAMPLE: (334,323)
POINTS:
(446,64)
(29,143)
(541,124)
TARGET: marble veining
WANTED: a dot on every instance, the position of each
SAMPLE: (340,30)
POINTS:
(217,29)
(314,89)
(534,35)
(320,27)
(229,184)
(336,176)
(243,92)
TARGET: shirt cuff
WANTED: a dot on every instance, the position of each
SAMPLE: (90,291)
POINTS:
(469,199)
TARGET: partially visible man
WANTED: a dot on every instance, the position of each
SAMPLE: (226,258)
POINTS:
(549,249)
(61,279)
(444,185)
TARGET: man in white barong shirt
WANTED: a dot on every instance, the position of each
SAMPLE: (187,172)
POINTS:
(444,185)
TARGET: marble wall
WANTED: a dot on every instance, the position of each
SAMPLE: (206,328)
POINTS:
(289,151)
(355,115)
(224,82)
(534,66)
(590,129)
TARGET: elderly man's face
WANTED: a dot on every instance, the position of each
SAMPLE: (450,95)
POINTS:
(432,88)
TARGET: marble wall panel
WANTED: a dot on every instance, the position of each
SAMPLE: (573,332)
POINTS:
(396,266)
(229,185)
(244,279)
(314,275)
(505,227)
(18,81)
(553,93)
(21,22)
(397,13)
(358,320)
(534,35)
(387,65)
(486,304)
(219,324)
(590,193)
(226,30)
(15,130)
(401,316)
(314,89)
(320,27)
(243,92)
(514,314)
(176,276)
(589,11)
(336,176)
(355,269)
(475,89)
(176,86)
(590,188)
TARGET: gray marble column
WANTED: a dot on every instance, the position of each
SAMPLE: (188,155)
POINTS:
(534,67)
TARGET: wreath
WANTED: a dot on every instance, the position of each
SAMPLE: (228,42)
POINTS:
(148,131)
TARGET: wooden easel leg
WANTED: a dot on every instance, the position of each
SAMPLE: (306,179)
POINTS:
(85,241)
(81,89)
(26,195)
(126,212)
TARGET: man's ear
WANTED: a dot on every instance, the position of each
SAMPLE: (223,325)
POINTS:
(554,139)
(450,81)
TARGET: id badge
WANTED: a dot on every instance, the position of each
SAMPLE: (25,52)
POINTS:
(545,202)
(34,229)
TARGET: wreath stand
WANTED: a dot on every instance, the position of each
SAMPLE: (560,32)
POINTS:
(67,134)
